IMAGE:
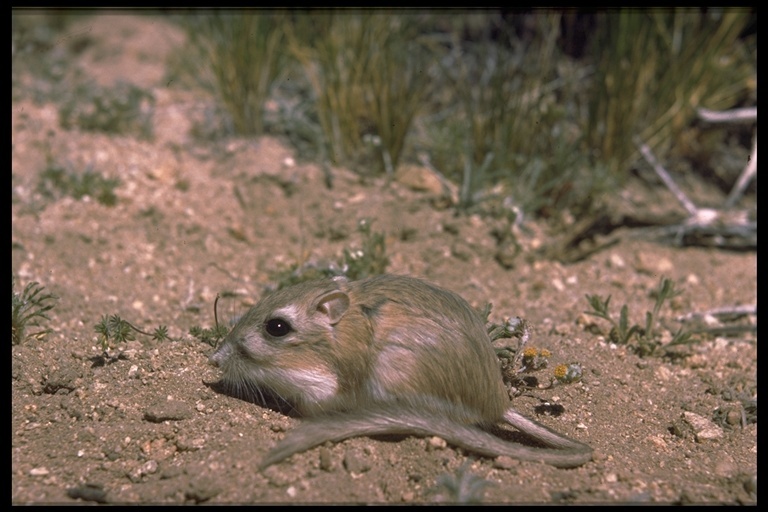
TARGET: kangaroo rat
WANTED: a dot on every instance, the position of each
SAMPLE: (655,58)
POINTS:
(384,355)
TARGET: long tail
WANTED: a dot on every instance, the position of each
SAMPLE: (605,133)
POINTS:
(549,437)
(564,452)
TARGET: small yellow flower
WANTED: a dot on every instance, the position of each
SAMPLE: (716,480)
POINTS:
(545,353)
(568,374)
(530,352)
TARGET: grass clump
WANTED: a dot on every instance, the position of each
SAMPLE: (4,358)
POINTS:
(123,109)
(44,44)
(509,117)
(28,309)
(209,335)
(490,99)
(645,336)
(56,181)
(461,487)
(369,75)
(343,86)
(112,328)
(244,54)
(369,259)
(654,69)
(519,363)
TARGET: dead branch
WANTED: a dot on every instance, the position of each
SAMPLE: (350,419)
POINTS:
(704,226)
(666,178)
(736,115)
(719,321)
(746,176)
(729,312)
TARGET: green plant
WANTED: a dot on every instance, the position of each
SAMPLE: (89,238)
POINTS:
(369,260)
(369,75)
(209,336)
(56,181)
(511,327)
(622,332)
(114,328)
(244,54)
(654,69)
(122,109)
(568,373)
(510,116)
(298,273)
(521,360)
(461,487)
(28,309)
(45,44)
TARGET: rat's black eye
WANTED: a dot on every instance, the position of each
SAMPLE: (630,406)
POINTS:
(277,327)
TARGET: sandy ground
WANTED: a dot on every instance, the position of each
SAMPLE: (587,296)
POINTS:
(194,219)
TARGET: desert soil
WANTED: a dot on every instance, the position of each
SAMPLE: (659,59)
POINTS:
(195,218)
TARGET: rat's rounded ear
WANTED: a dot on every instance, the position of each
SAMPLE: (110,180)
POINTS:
(333,305)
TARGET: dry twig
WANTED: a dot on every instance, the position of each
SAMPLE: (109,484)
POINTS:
(737,115)
(704,226)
